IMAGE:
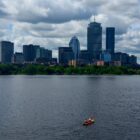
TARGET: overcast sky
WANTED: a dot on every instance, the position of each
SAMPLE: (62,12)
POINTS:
(52,23)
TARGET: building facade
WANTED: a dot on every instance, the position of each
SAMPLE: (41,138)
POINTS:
(106,56)
(30,53)
(44,54)
(75,45)
(18,58)
(54,61)
(133,60)
(6,51)
(94,40)
(65,55)
(110,40)
(84,57)
(122,57)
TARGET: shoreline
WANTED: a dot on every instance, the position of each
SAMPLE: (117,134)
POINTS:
(31,69)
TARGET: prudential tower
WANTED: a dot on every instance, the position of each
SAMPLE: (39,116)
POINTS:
(94,40)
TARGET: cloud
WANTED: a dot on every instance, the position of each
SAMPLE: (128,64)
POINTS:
(2,12)
(58,11)
(53,23)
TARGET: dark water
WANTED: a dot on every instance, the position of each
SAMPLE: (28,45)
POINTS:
(54,107)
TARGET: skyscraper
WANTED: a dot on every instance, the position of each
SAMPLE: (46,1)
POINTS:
(75,45)
(6,51)
(65,55)
(30,52)
(110,39)
(94,40)
(44,54)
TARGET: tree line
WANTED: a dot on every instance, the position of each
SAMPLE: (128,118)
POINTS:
(34,69)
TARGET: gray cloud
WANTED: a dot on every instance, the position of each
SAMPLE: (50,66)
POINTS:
(53,23)
(2,13)
(46,11)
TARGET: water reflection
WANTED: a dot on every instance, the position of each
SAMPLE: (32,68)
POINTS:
(54,107)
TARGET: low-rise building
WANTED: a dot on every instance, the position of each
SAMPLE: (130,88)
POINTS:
(106,56)
(116,63)
(65,55)
(84,57)
(30,53)
(54,61)
(133,60)
(100,63)
(18,58)
(73,63)
(122,57)
(43,55)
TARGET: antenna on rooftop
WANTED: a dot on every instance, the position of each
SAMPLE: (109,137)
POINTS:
(94,18)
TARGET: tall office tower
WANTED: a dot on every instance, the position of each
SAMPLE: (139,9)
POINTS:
(6,51)
(94,40)
(75,45)
(30,52)
(66,54)
(110,39)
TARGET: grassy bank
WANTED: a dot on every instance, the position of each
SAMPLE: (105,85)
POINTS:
(59,70)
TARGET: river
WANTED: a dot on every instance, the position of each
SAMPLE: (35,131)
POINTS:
(54,107)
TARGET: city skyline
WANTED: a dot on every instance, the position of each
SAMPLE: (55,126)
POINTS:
(49,28)
(94,54)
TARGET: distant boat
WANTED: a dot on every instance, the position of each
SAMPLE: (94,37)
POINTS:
(89,121)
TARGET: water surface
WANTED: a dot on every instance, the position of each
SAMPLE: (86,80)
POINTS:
(54,107)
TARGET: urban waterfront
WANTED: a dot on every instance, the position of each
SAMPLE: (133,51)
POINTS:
(54,107)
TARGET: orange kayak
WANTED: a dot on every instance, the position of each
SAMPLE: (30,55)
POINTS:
(89,121)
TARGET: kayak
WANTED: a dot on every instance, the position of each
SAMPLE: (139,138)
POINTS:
(89,121)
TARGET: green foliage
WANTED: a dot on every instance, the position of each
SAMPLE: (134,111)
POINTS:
(32,69)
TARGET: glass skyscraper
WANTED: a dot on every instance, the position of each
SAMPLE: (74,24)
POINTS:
(6,51)
(45,54)
(110,40)
(30,52)
(75,45)
(94,40)
(66,54)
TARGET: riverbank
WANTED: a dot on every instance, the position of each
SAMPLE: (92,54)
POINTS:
(32,69)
